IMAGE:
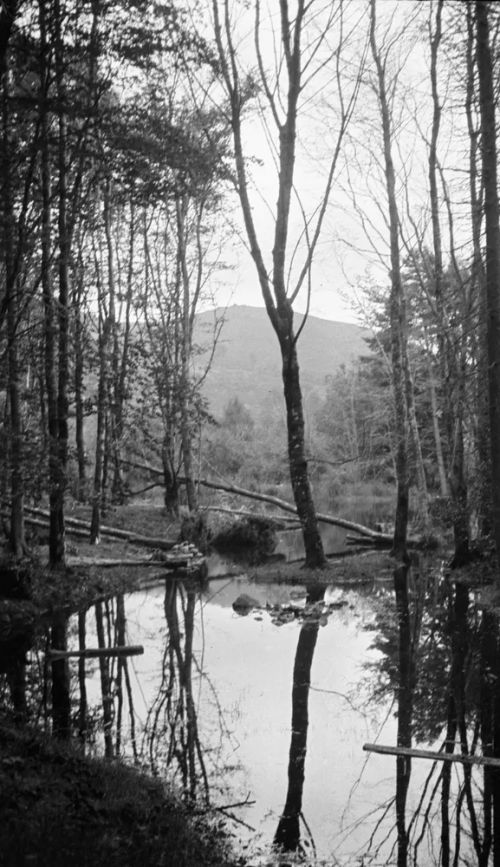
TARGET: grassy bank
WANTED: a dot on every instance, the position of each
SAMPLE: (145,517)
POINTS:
(60,809)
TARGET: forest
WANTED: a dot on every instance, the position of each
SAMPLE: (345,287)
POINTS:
(126,161)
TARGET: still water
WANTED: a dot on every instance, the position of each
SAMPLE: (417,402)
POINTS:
(263,715)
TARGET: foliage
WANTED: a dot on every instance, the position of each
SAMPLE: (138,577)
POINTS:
(251,540)
(64,808)
(355,418)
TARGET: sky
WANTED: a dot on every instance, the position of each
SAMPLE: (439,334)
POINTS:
(338,266)
(343,259)
(333,295)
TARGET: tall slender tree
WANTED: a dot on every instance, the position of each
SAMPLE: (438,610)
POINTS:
(398,320)
(302,56)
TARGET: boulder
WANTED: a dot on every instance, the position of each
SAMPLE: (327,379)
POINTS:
(244,604)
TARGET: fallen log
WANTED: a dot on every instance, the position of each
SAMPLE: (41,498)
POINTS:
(281,522)
(110,563)
(360,529)
(433,755)
(72,525)
(369,541)
(96,652)
(84,532)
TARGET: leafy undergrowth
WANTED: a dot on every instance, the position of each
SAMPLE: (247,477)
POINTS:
(58,809)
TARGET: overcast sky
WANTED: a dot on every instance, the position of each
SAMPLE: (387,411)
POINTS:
(343,258)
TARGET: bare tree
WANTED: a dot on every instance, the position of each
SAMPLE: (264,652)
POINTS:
(304,60)
(399,332)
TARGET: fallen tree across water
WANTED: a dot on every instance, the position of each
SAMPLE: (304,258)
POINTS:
(360,529)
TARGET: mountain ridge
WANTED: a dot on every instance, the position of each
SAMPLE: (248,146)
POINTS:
(247,363)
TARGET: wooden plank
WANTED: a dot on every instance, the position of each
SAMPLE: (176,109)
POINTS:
(97,652)
(487,761)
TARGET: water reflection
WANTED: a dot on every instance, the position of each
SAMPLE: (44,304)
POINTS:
(448,700)
(287,835)
(172,735)
(414,666)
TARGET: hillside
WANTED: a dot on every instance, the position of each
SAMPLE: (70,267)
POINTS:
(247,362)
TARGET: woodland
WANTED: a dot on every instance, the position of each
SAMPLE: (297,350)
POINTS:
(123,142)
(126,160)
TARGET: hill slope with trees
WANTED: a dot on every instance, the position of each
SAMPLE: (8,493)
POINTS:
(246,363)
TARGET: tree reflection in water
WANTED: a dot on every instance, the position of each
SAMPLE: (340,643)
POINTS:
(447,687)
(288,836)
(172,725)
(171,731)
(409,631)
(439,662)
(108,716)
(62,693)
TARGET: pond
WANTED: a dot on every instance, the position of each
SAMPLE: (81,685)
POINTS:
(262,715)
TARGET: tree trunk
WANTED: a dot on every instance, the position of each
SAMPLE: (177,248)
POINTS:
(274,287)
(102,395)
(56,531)
(17,540)
(315,557)
(443,480)
(398,324)
(491,205)
(452,374)
(8,12)
(171,495)
(185,421)
(64,243)
(120,371)
(421,479)
(79,386)
(483,464)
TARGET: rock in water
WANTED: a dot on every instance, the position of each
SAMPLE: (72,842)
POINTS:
(244,604)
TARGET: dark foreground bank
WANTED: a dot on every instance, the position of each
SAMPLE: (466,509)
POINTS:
(58,809)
